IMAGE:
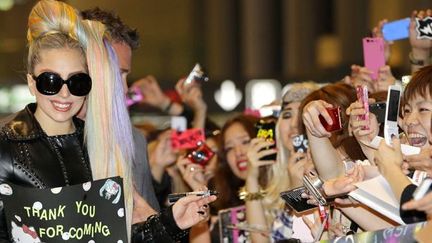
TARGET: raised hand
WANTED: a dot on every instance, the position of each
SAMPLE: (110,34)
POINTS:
(311,119)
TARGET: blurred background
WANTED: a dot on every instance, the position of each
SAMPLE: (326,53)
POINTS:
(271,42)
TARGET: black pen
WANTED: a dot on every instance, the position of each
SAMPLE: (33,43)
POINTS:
(174,197)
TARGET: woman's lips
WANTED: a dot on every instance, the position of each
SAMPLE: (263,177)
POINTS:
(242,165)
(61,106)
(417,140)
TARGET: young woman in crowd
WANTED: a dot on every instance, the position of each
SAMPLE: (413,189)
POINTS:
(416,124)
(331,151)
(70,61)
(283,174)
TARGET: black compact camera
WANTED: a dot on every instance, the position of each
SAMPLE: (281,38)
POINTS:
(201,155)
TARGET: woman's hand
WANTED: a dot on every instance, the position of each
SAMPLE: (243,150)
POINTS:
(385,79)
(311,119)
(345,184)
(152,93)
(256,151)
(163,155)
(377,32)
(421,45)
(192,173)
(387,156)
(191,210)
(297,166)
(357,126)
(360,76)
(191,95)
(422,161)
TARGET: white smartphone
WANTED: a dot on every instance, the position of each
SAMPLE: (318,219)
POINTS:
(422,189)
(392,113)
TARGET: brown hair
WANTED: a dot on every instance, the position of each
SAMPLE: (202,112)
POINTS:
(225,182)
(420,84)
(341,95)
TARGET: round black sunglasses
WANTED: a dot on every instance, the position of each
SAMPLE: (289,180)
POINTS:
(49,83)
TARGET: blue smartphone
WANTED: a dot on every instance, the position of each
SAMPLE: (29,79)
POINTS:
(396,30)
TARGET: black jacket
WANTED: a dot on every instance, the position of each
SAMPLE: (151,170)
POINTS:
(30,158)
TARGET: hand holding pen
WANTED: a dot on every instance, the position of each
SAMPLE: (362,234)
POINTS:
(174,197)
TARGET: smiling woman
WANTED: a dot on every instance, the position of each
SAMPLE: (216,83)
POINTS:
(45,145)
(417,109)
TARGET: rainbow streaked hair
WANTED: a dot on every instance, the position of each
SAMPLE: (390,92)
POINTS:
(108,132)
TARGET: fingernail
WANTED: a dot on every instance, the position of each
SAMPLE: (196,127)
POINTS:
(201,212)
(393,136)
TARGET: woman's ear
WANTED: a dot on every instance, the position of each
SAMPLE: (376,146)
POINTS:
(31,84)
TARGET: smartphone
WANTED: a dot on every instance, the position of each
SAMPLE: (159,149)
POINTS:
(293,199)
(196,76)
(392,113)
(133,96)
(335,114)
(266,129)
(362,96)
(396,30)
(300,143)
(422,189)
(378,109)
(201,155)
(373,55)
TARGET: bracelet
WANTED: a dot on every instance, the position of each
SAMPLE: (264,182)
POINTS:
(414,61)
(251,196)
(168,107)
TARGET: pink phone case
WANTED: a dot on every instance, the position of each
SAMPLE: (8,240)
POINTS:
(373,55)
(362,96)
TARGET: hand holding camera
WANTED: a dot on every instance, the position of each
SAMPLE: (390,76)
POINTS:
(316,112)
(258,149)
(193,174)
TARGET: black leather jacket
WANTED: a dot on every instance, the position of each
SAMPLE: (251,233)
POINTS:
(28,157)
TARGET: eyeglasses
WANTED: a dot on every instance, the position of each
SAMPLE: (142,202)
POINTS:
(48,83)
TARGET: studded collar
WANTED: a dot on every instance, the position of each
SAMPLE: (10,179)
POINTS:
(24,125)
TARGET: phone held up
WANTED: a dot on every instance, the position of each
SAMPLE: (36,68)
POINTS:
(133,96)
(300,143)
(396,30)
(362,97)
(196,76)
(392,113)
(373,55)
(265,129)
(335,114)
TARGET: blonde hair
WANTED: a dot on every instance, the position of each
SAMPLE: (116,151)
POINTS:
(279,178)
(108,134)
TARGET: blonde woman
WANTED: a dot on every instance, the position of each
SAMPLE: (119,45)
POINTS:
(284,173)
(46,146)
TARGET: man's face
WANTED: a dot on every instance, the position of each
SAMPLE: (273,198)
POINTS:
(124,55)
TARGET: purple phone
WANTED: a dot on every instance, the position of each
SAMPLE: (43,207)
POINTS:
(373,55)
